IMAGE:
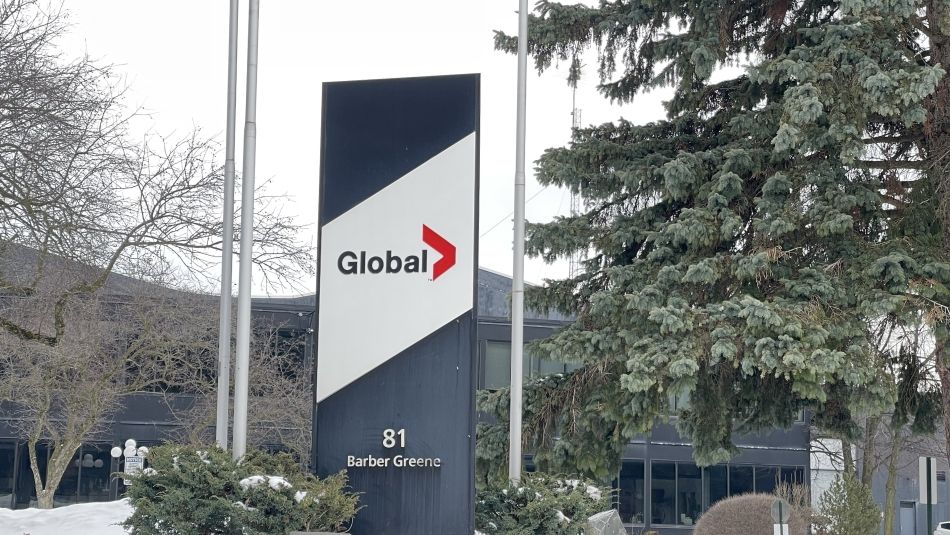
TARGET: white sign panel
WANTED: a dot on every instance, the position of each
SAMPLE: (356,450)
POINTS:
(133,465)
(397,267)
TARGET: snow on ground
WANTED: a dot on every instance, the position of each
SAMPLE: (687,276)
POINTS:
(99,518)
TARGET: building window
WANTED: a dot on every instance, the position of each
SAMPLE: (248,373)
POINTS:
(69,484)
(7,461)
(741,479)
(663,492)
(95,467)
(689,493)
(766,478)
(496,365)
(717,481)
(793,474)
(681,492)
(630,494)
(678,402)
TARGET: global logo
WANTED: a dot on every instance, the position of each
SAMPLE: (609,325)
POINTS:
(362,262)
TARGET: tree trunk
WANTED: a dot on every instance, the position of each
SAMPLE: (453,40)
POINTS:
(943,371)
(868,460)
(848,456)
(35,469)
(55,468)
(890,489)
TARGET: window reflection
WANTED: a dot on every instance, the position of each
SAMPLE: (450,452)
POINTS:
(681,491)
(630,494)
(496,364)
(689,493)
(96,467)
(766,479)
(7,460)
(741,480)
(663,492)
(717,481)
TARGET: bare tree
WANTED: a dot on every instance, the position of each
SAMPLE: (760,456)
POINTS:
(87,214)
(74,186)
(281,404)
(114,346)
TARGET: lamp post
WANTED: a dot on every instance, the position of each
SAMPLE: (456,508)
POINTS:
(134,458)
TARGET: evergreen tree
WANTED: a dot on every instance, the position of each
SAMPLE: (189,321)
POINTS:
(742,250)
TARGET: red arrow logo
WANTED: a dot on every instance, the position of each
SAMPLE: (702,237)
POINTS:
(441,246)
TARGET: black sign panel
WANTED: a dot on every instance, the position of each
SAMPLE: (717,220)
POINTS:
(394,387)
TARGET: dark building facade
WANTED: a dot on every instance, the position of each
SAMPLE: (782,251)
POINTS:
(659,487)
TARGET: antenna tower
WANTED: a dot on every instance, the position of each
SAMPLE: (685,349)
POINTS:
(577,257)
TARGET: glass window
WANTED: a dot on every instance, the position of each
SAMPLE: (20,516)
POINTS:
(547,367)
(793,474)
(717,479)
(66,491)
(497,365)
(766,478)
(689,493)
(741,480)
(630,494)
(94,478)
(663,492)
(7,460)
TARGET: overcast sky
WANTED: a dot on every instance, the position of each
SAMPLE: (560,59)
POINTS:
(174,57)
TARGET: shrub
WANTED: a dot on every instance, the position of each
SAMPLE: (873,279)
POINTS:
(799,497)
(849,508)
(744,515)
(205,492)
(541,504)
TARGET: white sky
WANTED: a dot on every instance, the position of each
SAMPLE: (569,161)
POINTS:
(174,56)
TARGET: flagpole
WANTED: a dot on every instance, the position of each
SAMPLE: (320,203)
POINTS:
(227,239)
(517,278)
(242,362)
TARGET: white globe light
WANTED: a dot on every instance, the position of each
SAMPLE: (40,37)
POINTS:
(116,452)
(98,463)
(130,443)
(87,457)
(143,451)
(87,463)
(76,463)
(129,452)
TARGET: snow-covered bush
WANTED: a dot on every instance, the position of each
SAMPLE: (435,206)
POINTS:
(542,503)
(205,492)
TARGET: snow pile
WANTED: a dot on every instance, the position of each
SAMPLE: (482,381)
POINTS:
(274,482)
(593,492)
(100,518)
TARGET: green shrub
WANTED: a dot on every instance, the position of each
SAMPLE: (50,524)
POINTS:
(542,504)
(849,508)
(205,492)
(745,514)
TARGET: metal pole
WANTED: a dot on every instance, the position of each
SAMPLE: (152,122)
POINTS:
(224,326)
(930,505)
(242,361)
(517,276)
